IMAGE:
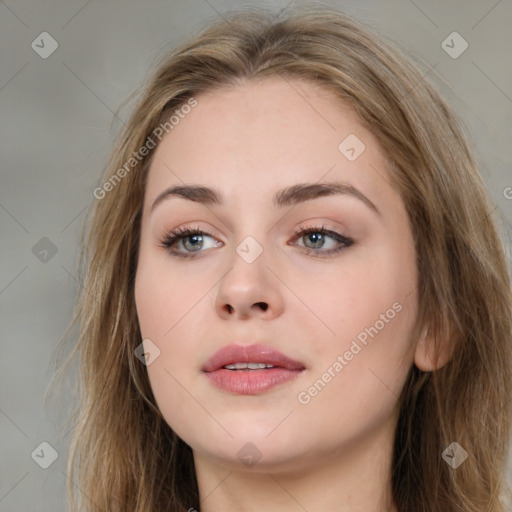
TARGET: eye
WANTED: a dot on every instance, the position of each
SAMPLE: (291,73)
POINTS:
(193,241)
(191,238)
(316,238)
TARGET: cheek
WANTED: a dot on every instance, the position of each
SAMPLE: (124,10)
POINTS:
(366,315)
(342,300)
(171,309)
(166,299)
(355,386)
(166,317)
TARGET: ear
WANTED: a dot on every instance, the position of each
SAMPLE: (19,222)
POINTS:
(432,354)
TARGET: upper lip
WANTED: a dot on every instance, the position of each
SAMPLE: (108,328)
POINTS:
(231,354)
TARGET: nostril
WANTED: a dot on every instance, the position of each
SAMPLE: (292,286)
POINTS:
(263,305)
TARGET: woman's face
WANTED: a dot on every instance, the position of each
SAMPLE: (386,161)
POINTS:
(340,301)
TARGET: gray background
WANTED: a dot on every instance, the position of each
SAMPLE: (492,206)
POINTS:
(57,125)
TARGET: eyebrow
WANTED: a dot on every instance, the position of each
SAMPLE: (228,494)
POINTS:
(286,197)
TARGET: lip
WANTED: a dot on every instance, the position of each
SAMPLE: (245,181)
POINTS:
(250,382)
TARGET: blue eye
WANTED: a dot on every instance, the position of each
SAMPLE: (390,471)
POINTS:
(321,233)
(193,235)
(193,240)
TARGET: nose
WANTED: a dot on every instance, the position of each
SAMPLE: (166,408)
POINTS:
(249,290)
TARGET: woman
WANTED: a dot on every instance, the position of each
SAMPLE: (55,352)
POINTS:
(342,338)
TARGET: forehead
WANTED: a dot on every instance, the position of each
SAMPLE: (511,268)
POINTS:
(265,134)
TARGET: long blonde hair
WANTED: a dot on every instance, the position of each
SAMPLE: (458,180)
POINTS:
(123,455)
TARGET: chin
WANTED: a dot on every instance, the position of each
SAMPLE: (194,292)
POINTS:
(257,456)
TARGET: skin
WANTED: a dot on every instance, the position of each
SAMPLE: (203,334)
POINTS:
(249,141)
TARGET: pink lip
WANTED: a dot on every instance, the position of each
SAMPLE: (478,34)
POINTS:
(250,382)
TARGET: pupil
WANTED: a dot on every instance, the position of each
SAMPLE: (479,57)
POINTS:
(196,237)
(319,237)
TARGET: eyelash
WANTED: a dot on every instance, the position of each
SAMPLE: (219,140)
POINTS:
(181,233)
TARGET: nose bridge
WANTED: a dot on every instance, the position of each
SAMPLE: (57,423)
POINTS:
(251,232)
(249,286)
(248,263)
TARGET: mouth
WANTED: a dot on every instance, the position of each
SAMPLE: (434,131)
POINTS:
(250,369)
(248,366)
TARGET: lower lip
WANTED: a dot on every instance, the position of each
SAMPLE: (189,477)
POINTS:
(250,382)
